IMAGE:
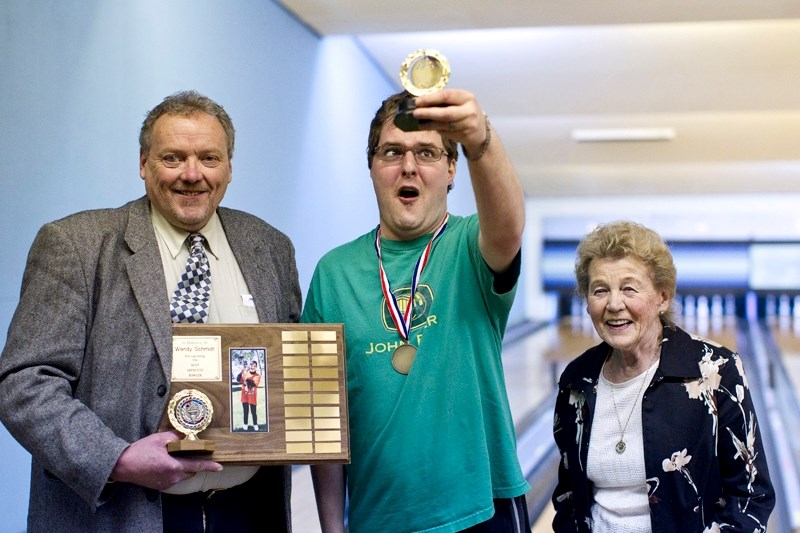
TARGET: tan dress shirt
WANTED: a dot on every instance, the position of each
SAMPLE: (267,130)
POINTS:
(230,303)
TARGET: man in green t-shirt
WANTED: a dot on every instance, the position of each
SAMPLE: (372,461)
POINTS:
(425,299)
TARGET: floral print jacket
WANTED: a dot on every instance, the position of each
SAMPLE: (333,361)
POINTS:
(704,458)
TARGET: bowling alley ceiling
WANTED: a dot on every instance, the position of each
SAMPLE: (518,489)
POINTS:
(719,80)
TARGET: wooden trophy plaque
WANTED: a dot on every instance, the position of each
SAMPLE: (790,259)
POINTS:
(278,392)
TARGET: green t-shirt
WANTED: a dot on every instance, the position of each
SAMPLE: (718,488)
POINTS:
(429,450)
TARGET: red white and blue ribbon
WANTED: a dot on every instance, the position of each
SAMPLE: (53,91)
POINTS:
(402,320)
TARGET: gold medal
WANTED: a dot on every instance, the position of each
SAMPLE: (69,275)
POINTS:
(403,357)
(424,71)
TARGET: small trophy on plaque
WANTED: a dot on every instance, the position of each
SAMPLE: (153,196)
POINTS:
(190,412)
(424,71)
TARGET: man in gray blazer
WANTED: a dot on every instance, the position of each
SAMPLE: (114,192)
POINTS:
(85,373)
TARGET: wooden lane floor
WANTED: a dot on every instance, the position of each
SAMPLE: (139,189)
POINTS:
(786,332)
(534,364)
(574,335)
(721,330)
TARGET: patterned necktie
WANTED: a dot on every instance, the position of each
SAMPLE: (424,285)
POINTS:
(190,300)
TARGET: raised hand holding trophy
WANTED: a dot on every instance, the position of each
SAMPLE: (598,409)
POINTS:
(423,72)
(190,412)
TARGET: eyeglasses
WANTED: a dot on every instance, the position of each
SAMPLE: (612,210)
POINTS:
(394,153)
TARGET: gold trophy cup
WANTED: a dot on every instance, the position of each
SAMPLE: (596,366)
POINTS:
(190,412)
(423,72)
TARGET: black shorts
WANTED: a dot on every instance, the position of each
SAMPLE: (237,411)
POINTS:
(510,516)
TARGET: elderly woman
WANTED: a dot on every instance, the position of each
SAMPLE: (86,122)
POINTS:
(656,427)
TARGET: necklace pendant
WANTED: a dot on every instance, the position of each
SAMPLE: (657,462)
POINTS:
(620,447)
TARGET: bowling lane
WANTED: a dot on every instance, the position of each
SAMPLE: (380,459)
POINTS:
(721,330)
(780,356)
(786,332)
(534,363)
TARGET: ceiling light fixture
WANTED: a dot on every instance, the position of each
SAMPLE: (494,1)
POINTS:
(623,134)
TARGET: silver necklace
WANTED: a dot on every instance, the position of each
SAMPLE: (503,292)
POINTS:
(620,446)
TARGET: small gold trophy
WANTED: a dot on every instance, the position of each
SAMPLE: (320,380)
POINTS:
(423,72)
(190,412)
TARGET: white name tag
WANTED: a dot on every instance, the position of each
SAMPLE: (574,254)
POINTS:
(247,300)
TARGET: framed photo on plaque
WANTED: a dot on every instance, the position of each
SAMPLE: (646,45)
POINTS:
(259,394)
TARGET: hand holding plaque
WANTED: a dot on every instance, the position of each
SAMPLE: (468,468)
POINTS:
(423,72)
(190,412)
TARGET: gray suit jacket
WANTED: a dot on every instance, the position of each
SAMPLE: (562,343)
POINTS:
(85,370)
